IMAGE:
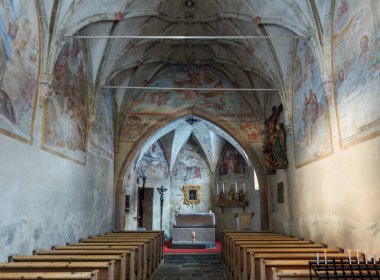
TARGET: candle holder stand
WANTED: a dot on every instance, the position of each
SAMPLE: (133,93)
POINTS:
(342,269)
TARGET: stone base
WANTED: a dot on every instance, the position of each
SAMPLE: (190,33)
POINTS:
(188,245)
(202,235)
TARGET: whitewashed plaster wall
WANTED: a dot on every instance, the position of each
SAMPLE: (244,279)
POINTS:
(47,200)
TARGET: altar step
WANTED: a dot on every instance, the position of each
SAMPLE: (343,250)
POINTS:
(192,258)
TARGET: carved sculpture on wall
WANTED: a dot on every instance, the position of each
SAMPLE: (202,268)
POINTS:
(274,143)
(191,194)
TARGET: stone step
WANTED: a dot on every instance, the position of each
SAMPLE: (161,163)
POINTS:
(192,258)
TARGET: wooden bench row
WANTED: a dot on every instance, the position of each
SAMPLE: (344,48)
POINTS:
(259,256)
(131,255)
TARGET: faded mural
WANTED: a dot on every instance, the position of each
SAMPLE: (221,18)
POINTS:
(19,62)
(189,76)
(153,164)
(101,138)
(135,126)
(65,116)
(356,54)
(312,133)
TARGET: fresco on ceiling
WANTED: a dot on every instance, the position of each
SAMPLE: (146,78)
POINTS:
(231,162)
(153,164)
(190,166)
(101,137)
(135,126)
(65,116)
(311,123)
(356,60)
(190,76)
(19,59)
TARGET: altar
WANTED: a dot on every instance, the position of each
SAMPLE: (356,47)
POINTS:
(196,230)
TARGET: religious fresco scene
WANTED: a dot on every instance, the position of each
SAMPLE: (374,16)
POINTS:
(135,125)
(153,164)
(19,61)
(189,76)
(312,133)
(101,135)
(356,59)
(65,117)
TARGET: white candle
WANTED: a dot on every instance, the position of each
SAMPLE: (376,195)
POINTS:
(223,187)
(244,187)
(365,256)
(349,256)
(217,188)
(235,187)
(357,256)
(374,256)
(325,257)
(317,258)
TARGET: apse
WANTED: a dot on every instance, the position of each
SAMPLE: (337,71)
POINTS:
(190,152)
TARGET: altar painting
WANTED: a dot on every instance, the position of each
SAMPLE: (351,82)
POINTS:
(312,134)
(356,60)
(19,63)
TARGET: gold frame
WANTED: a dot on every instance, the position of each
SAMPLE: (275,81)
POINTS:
(186,194)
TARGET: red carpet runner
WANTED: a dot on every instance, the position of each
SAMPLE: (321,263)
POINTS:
(168,250)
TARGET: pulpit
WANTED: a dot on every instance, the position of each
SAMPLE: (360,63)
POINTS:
(195,230)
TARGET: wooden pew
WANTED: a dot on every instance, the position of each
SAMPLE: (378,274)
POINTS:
(130,265)
(139,254)
(254,268)
(230,242)
(158,235)
(119,261)
(50,275)
(147,256)
(250,269)
(239,256)
(298,274)
(149,259)
(106,269)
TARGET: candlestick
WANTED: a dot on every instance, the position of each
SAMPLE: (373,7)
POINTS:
(217,188)
(223,187)
(317,258)
(244,187)
(357,256)
(235,187)
(349,256)
(325,257)
(365,257)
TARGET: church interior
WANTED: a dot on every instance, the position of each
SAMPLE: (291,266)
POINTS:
(194,119)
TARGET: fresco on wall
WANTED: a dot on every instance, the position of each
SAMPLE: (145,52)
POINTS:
(19,59)
(231,162)
(311,123)
(135,126)
(65,116)
(190,166)
(153,164)
(189,76)
(101,138)
(356,54)
(251,131)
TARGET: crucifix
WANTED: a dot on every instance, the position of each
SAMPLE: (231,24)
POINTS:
(161,191)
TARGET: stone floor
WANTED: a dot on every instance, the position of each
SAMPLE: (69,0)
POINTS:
(191,266)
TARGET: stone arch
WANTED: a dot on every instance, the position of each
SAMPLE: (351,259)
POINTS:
(236,135)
